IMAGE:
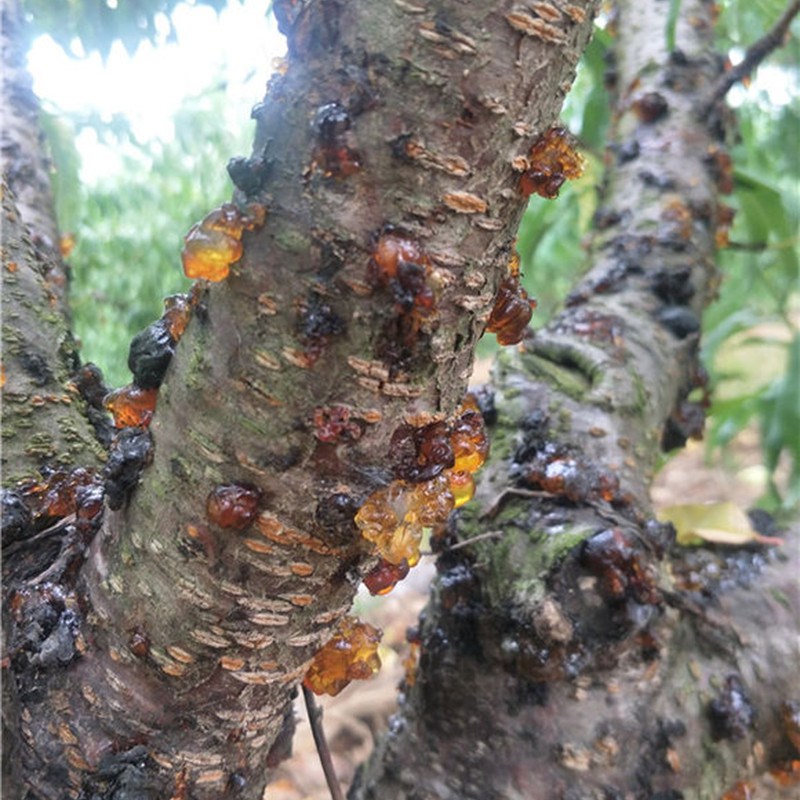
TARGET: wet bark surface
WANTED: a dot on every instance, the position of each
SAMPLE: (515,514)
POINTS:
(165,665)
(571,650)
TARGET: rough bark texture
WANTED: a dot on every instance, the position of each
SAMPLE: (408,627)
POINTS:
(172,659)
(562,655)
(43,414)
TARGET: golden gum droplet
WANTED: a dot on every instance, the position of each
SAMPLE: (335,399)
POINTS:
(468,463)
(131,406)
(393,519)
(462,485)
(177,313)
(233,505)
(553,160)
(213,244)
(350,655)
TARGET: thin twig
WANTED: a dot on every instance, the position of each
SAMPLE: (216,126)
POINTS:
(512,491)
(480,537)
(315,719)
(748,247)
(755,54)
(464,543)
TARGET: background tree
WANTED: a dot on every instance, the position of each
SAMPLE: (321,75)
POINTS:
(270,351)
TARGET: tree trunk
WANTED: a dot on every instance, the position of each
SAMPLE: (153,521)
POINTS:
(166,663)
(571,651)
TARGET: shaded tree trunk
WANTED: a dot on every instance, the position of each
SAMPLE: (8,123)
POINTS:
(570,650)
(166,663)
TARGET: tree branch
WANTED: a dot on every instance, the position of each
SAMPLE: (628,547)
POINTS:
(392,123)
(315,720)
(24,164)
(554,638)
(43,416)
(755,54)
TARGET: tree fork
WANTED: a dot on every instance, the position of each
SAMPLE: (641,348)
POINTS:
(181,642)
(567,636)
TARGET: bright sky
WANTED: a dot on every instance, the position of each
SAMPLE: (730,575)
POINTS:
(238,47)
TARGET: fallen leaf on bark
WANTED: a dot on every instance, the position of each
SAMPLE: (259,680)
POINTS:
(717,523)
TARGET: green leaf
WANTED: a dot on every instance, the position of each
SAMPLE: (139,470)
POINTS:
(586,109)
(780,415)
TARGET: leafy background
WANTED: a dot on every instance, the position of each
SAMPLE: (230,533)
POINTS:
(128,228)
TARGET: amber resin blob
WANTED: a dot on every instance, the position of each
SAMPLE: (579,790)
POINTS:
(401,265)
(434,464)
(512,310)
(233,505)
(131,406)
(213,244)
(352,654)
(552,161)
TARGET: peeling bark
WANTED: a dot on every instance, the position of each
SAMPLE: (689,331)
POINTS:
(565,652)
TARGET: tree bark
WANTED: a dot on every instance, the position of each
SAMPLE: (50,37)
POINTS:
(570,650)
(44,418)
(166,664)
(25,166)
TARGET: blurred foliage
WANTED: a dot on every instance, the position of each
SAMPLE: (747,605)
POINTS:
(91,25)
(741,22)
(752,343)
(750,334)
(129,229)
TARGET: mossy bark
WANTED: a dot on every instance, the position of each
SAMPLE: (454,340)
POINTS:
(560,658)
